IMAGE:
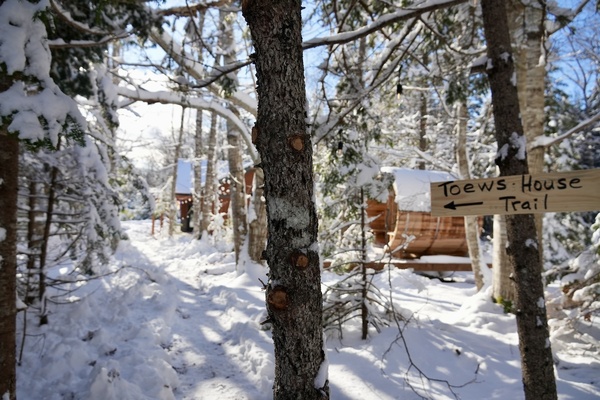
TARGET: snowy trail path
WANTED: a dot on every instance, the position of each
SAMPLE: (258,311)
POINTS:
(171,319)
(209,347)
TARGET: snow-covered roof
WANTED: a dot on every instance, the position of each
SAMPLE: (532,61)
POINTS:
(412,186)
(185,177)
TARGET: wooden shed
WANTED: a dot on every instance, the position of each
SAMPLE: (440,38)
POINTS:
(185,188)
(405,223)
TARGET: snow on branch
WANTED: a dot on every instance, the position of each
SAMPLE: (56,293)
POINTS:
(191,9)
(169,97)
(35,107)
(386,20)
(545,141)
(61,44)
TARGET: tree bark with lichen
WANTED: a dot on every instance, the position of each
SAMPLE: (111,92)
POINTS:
(293,293)
(523,245)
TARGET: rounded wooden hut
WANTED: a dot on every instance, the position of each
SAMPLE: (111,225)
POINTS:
(405,223)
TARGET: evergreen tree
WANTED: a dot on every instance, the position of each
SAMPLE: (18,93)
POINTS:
(35,111)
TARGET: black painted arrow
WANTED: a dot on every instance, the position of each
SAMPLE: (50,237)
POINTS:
(453,206)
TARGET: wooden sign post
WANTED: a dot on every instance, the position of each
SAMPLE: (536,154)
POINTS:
(519,194)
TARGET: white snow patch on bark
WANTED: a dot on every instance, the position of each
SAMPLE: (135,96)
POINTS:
(297,217)
(518,142)
(323,374)
(531,243)
(502,152)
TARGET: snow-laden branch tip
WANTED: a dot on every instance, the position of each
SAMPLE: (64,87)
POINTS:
(545,141)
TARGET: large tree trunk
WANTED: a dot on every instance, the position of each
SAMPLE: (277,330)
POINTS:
(526,24)
(9,171)
(471,222)
(524,250)
(294,299)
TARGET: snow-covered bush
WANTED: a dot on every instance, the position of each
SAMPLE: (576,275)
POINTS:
(581,284)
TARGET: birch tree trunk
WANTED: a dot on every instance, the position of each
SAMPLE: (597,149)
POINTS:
(524,250)
(209,191)
(237,188)
(526,24)
(471,222)
(9,160)
(503,289)
(196,31)
(423,128)
(293,294)
(257,232)
(197,196)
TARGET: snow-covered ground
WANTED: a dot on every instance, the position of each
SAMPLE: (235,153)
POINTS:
(177,321)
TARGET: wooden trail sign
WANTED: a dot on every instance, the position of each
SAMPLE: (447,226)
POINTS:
(518,194)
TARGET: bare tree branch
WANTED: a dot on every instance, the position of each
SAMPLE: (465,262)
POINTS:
(381,22)
(189,10)
(545,142)
(197,71)
(183,99)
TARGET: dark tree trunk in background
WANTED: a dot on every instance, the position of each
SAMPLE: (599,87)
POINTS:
(45,239)
(523,245)
(9,170)
(294,299)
